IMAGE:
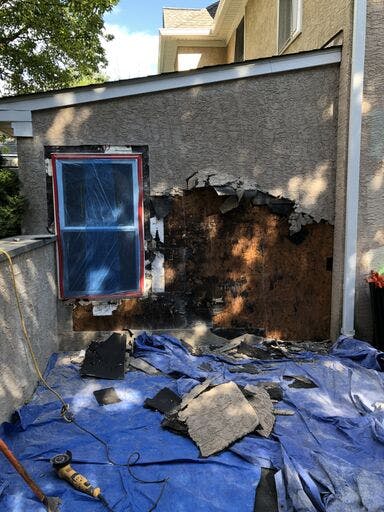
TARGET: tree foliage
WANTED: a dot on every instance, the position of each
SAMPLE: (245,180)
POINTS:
(48,44)
(12,204)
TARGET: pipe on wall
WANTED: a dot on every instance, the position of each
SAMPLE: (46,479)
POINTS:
(353,166)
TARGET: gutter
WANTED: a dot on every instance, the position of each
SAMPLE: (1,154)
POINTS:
(353,166)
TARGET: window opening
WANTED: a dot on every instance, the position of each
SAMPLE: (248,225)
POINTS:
(98,215)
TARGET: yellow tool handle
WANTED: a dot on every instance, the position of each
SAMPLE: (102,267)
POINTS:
(78,481)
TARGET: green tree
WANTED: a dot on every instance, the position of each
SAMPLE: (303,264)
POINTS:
(12,204)
(48,44)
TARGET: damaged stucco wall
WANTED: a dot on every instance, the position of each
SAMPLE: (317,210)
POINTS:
(236,268)
(35,269)
(272,133)
(276,133)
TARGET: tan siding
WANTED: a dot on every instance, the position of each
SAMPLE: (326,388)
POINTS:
(231,48)
(205,56)
(322,19)
(186,18)
(260,29)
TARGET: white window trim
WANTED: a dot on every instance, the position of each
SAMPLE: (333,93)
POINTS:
(298,17)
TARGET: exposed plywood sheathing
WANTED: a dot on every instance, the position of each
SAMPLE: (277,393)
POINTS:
(237,269)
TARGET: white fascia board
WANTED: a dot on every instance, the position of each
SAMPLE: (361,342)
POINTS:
(228,16)
(15,115)
(22,129)
(177,80)
(185,32)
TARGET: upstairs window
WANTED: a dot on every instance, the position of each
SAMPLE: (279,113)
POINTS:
(239,42)
(99,224)
(289,26)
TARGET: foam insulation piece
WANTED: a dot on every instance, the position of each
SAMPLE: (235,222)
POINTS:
(158,274)
(118,149)
(103,309)
(263,405)
(194,393)
(48,166)
(157,228)
(219,417)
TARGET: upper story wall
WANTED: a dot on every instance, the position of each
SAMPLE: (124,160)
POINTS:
(321,20)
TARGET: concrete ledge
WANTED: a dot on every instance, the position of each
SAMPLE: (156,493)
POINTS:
(21,244)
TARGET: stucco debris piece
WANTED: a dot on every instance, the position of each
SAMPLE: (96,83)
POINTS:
(106,359)
(137,363)
(300,381)
(164,401)
(171,422)
(194,393)
(261,402)
(245,368)
(273,389)
(218,417)
(106,396)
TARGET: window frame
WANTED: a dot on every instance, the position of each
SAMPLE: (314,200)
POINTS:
(140,221)
(297,16)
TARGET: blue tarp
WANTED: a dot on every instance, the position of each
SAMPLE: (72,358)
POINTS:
(329,454)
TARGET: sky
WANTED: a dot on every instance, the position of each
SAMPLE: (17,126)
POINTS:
(135,25)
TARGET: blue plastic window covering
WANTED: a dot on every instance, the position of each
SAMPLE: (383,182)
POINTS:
(98,214)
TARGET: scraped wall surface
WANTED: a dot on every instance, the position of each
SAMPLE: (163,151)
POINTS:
(36,281)
(236,269)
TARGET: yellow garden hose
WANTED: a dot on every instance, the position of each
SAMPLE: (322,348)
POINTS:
(65,407)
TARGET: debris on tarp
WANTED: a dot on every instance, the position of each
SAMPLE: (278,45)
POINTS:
(164,401)
(266,495)
(106,396)
(78,357)
(300,381)
(105,359)
(257,347)
(325,451)
(219,417)
(136,363)
(263,406)
(194,393)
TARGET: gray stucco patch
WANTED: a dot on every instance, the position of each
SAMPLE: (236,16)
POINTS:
(276,133)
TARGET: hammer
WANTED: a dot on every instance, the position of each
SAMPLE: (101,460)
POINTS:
(51,504)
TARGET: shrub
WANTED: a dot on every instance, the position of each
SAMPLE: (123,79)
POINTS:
(12,204)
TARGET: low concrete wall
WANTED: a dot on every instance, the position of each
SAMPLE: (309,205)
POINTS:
(34,265)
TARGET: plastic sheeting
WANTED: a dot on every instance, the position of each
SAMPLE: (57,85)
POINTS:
(98,214)
(329,454)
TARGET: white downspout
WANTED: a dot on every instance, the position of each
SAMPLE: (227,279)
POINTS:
(353,166)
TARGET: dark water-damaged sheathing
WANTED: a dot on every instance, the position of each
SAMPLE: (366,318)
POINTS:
(233,258)
(327,456)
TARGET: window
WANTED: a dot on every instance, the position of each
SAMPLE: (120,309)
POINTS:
(239,42)
(98,213)
(289,22)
